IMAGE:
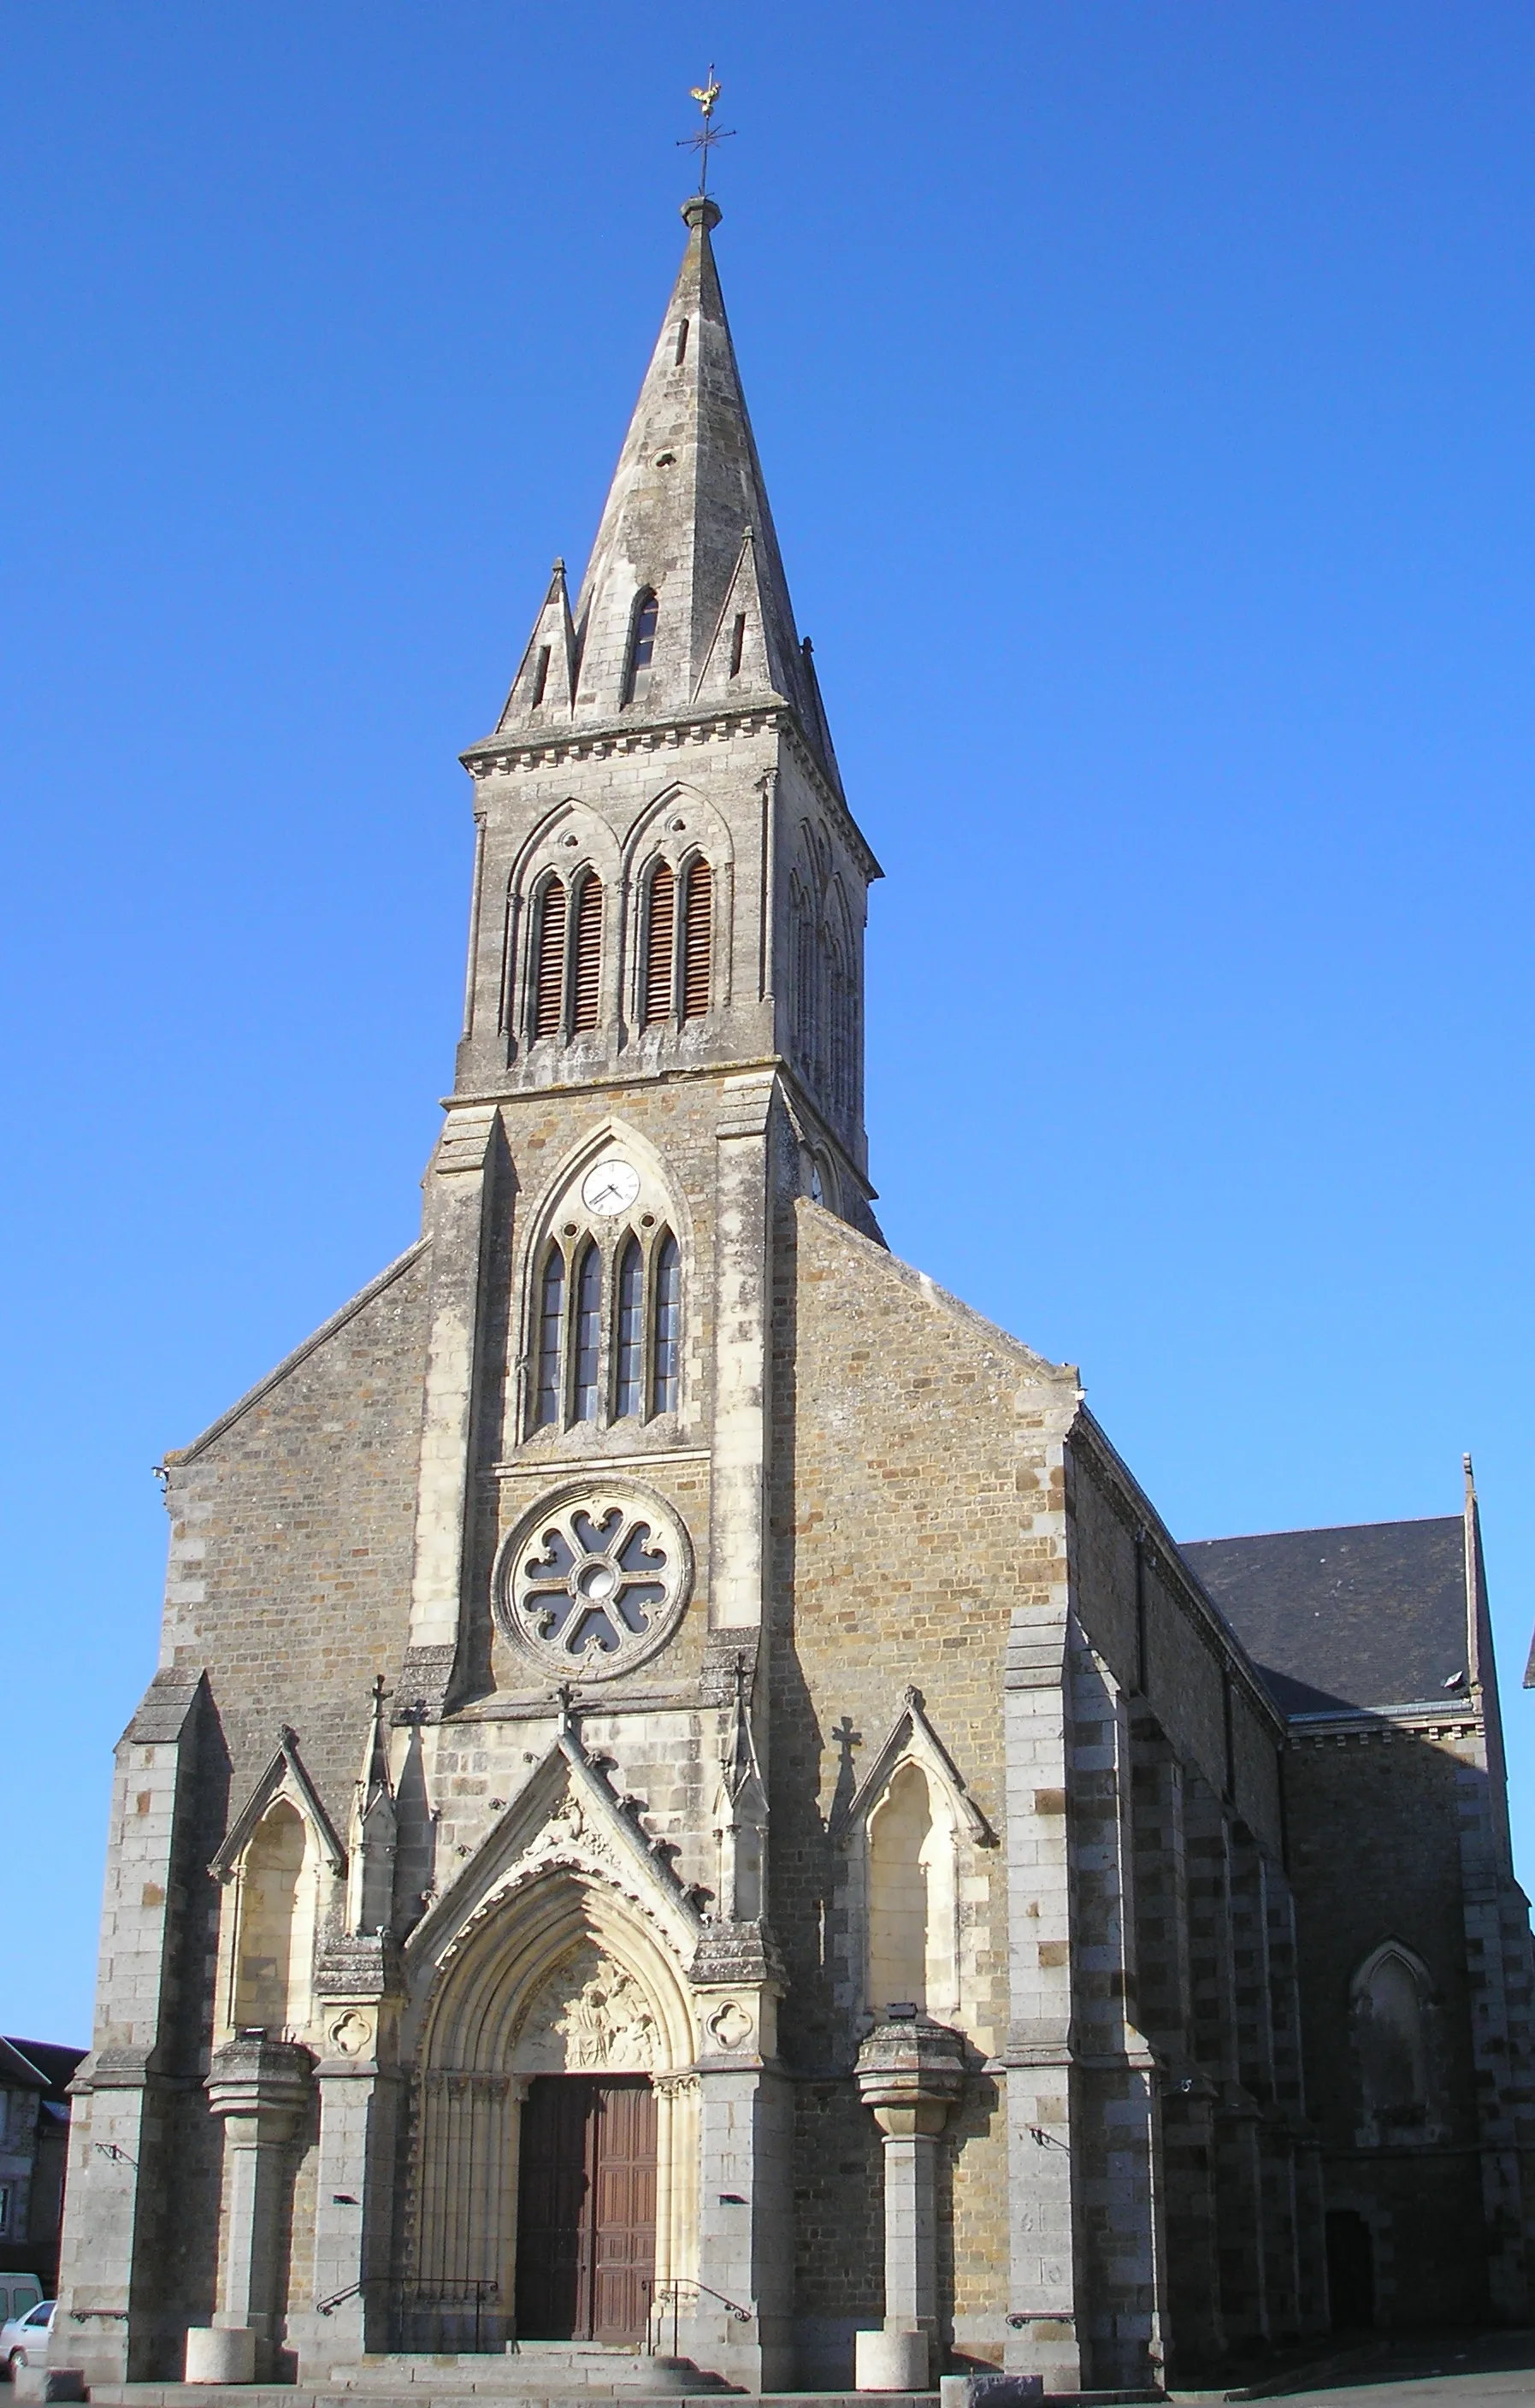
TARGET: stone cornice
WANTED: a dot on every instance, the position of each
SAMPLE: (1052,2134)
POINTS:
(1461,1719)
(621,1083)
(549,748)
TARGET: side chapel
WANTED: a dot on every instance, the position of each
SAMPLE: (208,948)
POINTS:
(689,1795)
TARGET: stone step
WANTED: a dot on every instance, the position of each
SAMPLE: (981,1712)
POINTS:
(420,2395)
(533,2369)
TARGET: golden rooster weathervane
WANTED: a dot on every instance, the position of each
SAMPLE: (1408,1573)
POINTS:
(705,94)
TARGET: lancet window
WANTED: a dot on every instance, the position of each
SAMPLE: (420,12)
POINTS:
(668,1327)
(588,1333)
(1391,2000)
(607,1328)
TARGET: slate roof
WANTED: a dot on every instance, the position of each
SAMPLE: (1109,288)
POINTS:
(38,2065)
(1340,1620)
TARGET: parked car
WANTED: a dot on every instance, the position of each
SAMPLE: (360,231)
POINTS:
(23,2342)
(18,2292)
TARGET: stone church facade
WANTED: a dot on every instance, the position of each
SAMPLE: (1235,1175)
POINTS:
(689,1794)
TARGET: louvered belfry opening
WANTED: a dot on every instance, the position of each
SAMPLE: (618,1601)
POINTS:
(588,980)
(660,944)
(549,985)
(697,932)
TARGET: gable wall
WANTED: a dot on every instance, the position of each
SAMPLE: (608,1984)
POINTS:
(291,1546)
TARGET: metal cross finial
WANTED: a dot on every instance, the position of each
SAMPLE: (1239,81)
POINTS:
(705,94)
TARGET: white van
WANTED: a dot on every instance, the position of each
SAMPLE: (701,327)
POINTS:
(18,2293)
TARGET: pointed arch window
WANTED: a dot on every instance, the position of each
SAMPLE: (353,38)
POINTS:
(540,676)
(586,985)
(588,1332)
(805,982)
(629,1391)
(737,643)
(546,1407)
(549,977)
(660,944)
(666,1379)
(697,940)
(647,610)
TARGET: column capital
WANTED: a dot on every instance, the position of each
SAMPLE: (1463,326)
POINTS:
(909,2072)
(255,2075)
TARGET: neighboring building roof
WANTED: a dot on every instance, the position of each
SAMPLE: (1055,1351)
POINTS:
(1338,1620)
(40,2064)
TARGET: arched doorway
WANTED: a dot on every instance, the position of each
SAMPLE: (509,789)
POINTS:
(556,2142)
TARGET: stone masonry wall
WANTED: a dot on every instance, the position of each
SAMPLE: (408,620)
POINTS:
(912,1448)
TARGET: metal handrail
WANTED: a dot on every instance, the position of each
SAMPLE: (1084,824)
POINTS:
(672,2290)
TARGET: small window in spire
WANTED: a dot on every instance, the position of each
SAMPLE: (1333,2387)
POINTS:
(681,353)
(540,676)
(643,642)
(737,643)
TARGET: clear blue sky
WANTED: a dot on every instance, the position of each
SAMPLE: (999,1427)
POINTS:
(1145,392)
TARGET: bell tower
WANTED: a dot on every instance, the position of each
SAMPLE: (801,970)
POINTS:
(662,1051)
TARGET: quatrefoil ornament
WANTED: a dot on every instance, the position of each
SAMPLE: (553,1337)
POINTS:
(593,1579)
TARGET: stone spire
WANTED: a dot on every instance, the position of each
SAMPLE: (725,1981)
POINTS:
(687,523)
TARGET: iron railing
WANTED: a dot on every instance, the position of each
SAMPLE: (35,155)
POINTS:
(667,2297)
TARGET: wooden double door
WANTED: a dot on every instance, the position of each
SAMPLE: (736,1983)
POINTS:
(586,2208)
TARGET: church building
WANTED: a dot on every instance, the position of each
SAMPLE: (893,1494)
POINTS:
(692,1809)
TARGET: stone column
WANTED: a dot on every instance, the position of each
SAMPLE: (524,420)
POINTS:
(260,2088)
(909,2072)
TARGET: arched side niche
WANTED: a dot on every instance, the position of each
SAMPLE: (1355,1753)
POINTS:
(1392,2017)
(560,1977)
(282,1871)
(913,1886)
(913,1929)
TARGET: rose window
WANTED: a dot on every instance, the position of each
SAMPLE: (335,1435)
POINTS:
(593,1582)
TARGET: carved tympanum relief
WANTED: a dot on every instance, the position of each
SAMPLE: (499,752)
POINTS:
(587,2016)
(593,1579)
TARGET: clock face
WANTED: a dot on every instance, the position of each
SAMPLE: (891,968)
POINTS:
(611,1187)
